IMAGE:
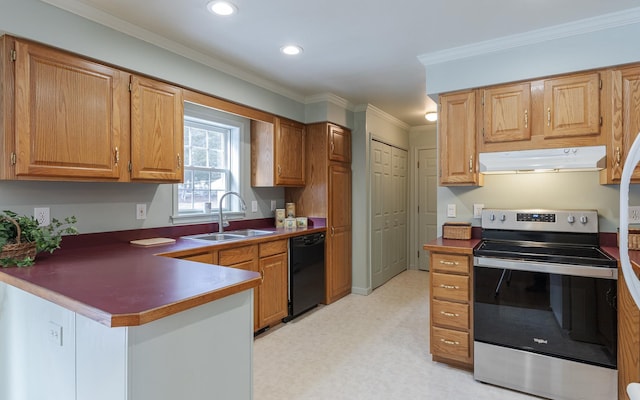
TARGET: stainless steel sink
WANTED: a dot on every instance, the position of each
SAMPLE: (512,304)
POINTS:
(251,232)
(231,235)
(215,237)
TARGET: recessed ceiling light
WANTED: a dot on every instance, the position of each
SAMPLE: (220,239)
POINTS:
(222,7)
(291,50)
(431,116)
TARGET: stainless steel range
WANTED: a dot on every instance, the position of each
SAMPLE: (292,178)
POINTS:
(545,305)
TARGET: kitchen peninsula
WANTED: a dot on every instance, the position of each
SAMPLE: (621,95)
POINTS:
(109,320)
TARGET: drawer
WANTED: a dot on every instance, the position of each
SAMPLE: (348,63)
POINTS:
(450,344)
(271,248)
(453,315)
(237,255)
(450,263)
(450,287)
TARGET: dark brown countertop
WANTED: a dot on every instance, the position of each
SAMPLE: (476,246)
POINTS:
(105,278)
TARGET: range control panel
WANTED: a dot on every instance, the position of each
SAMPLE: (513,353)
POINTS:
(580,221)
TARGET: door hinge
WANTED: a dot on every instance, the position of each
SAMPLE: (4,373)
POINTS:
(483,93)
(130,166)
(418,209)
(418,253)
(13,158)
(600,121)
(418,164)
(13,56)
(130,87)
(600,84)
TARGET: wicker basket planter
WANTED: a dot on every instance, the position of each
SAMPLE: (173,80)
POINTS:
(18,250)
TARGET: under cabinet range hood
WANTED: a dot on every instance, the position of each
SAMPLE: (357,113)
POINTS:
(588,158)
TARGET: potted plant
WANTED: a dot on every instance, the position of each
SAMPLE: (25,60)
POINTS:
(22,237)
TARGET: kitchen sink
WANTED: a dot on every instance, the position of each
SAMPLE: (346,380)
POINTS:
(231,235)
(215,237)
(250,232)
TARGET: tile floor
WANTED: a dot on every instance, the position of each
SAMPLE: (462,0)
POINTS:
(364,347)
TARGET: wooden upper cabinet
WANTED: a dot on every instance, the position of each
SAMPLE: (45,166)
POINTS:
(625,123)
(457,133)
(339,144)
(277,153)
(506,113)
(71,116)
(572,106)
(157,130)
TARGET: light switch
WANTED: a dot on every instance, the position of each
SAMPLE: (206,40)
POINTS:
(254,206)
(451,210)
(477,210)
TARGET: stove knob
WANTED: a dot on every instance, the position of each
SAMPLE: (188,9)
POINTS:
(492,217)
(571,219)
(583,219)
(503,217)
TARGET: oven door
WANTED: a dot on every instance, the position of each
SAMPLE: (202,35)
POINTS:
(556,310)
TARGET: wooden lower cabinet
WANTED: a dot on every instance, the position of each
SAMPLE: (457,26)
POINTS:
(270,259)
(628,339)
(273,297)
(451,309)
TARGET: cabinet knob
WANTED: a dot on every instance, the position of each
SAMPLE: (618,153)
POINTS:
(448,262)
(526,119)
(452,287)
(618,157)
(470,164)
(279,170)
(116,155)
(179,162)
(449,314)
(549,116)
(451,342)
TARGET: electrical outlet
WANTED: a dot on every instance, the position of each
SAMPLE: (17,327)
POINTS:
(41,214)
(451,210)
(141,211)
(477,210)
(273,205)
(254,206)
(55,333)
(634,215)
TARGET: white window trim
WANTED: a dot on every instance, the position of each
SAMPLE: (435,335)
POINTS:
(211,115)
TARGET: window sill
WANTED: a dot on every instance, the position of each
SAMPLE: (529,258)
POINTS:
(185,219)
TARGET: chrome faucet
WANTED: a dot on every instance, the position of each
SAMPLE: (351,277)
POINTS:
(221,225)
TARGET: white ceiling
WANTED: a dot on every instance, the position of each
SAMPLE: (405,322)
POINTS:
(364,51)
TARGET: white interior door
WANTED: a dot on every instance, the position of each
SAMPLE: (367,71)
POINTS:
(380,219)
(388,212)
(427,202)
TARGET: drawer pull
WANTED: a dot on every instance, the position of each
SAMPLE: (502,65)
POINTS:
(449,287)
(449,314)
(449,262)
(451,342)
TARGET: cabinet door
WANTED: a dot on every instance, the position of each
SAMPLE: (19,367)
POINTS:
(506,113)
(572,106)
(273,290)
(339,144)
(157,131)
(630,113)
(289,150)
(338,242)
(70,116)
(458,139)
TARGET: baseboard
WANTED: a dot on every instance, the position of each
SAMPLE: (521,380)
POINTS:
(361,291)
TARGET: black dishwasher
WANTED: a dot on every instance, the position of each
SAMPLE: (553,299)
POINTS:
(306,273)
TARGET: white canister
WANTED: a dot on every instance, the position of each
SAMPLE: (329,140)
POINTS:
(290,223)
(291,210)
(280,215)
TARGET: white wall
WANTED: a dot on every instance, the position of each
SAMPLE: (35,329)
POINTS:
(369,122)
(608,45)
(111,206)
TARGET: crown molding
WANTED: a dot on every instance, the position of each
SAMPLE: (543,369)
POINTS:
(588,25)
(329,98)
(117,24)
(375,110)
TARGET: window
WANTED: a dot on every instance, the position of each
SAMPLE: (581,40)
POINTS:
(211,162)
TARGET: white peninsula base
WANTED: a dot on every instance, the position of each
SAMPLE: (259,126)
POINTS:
(50,352)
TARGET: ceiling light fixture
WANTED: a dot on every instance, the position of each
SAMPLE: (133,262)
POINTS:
(222,7)
(431,116)
(291,50)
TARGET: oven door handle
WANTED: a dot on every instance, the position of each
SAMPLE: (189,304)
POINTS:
(535,266)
